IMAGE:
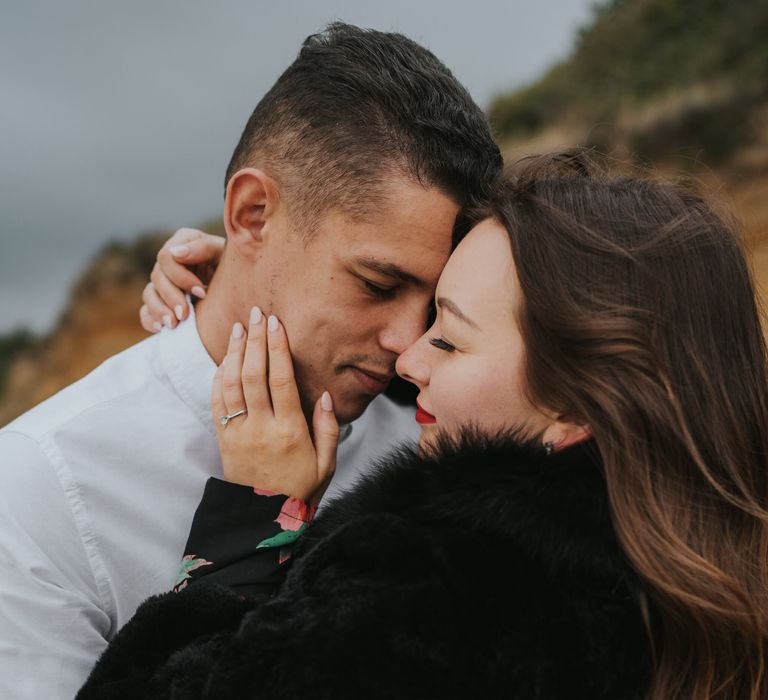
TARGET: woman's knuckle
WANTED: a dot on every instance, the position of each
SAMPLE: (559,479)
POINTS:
(280,381)
(251,375)
(296,430)
(291,442)
(286,431)
(231,384)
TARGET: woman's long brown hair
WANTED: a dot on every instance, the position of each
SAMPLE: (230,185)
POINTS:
(640,320)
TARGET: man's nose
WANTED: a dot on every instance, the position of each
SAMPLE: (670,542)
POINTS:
(404,329)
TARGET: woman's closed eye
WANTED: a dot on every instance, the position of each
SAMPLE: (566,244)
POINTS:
(442,344)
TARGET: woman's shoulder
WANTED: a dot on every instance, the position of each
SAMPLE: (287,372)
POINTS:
(487,540)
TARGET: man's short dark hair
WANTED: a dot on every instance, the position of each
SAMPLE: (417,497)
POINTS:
(356,108)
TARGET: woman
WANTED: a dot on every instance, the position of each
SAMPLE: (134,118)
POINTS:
(586,516)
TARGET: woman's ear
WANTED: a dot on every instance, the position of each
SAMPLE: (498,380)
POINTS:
(252,198)
(562,434)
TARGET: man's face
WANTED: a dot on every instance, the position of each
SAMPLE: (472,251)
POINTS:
(355,295)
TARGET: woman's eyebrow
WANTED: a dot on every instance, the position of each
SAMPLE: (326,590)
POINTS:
(448,305)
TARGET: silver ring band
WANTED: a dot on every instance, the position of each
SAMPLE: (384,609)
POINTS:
(225,419)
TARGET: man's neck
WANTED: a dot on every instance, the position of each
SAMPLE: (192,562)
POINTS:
(215,315)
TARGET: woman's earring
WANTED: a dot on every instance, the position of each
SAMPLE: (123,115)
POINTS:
(549,448)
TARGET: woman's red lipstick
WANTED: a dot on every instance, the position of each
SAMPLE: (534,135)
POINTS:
(424,418)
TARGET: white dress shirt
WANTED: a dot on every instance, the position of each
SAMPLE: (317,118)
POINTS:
(98,486)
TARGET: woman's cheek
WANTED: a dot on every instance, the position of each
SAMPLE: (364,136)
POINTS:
(483,389)
(492,398)
(474,390)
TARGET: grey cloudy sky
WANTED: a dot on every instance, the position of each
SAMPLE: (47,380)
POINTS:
(120,117)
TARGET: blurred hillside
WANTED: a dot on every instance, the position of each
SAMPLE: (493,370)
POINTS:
(677,84)
(100,319)
(671,80)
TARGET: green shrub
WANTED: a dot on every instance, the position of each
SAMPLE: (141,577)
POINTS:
(636,50)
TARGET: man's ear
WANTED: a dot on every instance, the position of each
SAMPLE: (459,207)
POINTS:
(562,434)
(252,198)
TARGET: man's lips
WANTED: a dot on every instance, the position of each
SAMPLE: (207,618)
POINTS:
(423,417)
(373,382)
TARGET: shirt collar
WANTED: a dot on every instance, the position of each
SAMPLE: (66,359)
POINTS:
(345,431)
(189,367)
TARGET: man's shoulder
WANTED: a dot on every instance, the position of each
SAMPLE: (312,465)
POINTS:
(117,378)
(384,425)
(383,412)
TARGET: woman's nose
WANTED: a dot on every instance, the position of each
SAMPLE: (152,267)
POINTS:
(412,364)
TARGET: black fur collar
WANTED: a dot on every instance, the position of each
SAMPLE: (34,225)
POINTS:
(555,505)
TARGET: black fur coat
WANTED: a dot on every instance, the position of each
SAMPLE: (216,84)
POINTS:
(491,572)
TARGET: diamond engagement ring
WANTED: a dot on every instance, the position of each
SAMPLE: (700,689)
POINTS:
(225,419)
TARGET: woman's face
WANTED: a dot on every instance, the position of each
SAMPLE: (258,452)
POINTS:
(469,364)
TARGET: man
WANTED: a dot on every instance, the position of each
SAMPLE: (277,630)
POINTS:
(341,198)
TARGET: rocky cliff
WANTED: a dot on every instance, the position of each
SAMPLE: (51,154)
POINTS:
(100,319)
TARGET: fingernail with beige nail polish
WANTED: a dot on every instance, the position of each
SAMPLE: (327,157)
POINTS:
(272,324)
(167,320)
(256,316)
(179,311)
(199,292)
(237,331)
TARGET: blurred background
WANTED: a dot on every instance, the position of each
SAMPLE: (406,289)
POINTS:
(117,121)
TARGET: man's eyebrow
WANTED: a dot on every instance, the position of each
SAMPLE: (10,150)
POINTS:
(391,270)
(448,305)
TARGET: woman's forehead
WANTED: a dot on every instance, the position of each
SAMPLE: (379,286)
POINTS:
(481,271)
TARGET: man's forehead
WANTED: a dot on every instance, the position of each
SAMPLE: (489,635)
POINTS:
(409,240)
(402,206)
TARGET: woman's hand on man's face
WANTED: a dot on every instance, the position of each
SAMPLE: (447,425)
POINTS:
(184,265)
(269,447)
